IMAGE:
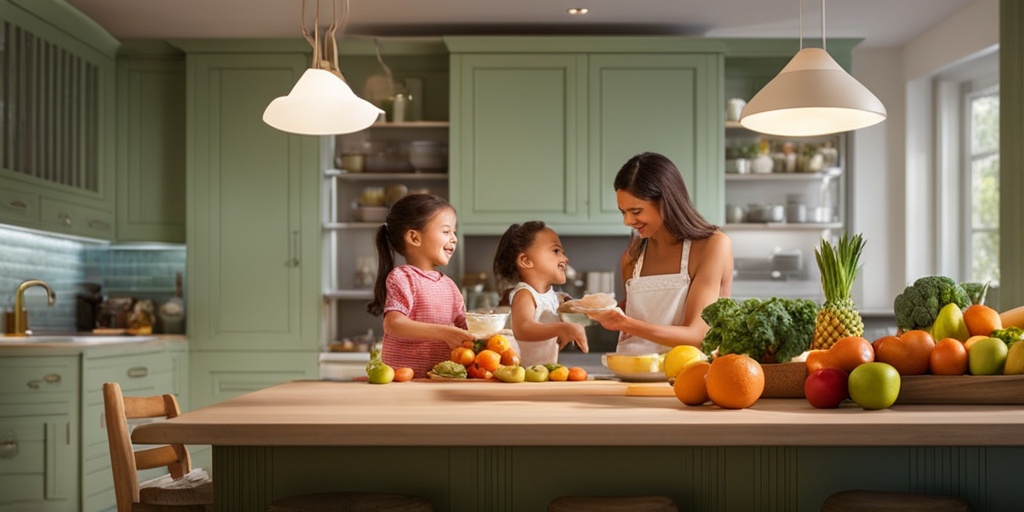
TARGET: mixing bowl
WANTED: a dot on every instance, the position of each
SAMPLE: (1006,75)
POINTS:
(486,323)
(640,368)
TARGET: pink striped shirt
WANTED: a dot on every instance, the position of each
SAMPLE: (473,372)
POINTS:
(429,297)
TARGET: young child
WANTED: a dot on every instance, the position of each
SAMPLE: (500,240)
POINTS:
(531,255)
(424,315)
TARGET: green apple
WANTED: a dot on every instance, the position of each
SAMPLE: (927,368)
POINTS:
(874,385)
(509,373)
(537,373)
(949,323)
(987,356)
(380,373)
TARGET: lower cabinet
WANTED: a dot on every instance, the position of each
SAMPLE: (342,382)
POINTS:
(39,443)
(53,440)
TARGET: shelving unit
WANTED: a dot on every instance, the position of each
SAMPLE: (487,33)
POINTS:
(347,241)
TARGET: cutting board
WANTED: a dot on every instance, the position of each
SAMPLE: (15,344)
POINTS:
(917,389)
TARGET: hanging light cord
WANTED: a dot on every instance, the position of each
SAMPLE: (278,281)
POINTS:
(801,24)
(387,70)
(325,55)
(822,25)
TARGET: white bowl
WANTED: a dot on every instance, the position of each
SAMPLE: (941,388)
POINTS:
(641,368)
(370,213)
(486,323)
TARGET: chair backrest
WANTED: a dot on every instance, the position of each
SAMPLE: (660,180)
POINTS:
(125,462)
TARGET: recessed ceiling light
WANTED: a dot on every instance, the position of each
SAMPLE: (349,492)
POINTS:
(577,11)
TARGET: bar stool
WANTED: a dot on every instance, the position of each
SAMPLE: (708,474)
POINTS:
(612,504)
(886,501)
(351,502)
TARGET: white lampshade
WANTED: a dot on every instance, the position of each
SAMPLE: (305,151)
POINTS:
(320,103)
(812,95)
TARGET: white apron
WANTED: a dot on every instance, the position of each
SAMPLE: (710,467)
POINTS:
(658,299)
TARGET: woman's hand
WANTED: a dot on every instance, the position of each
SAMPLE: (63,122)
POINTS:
(454,336)
(613,319)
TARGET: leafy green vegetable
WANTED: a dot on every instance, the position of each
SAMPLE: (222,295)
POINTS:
(450,369)
(1009,335)
(976,292)
(919,304)
(771,331)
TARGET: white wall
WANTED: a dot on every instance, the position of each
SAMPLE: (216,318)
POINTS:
(893,179)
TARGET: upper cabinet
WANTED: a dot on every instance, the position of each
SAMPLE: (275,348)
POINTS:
(56,153)
(151,144)
(541,125)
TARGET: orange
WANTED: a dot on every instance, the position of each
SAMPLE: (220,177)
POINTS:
(510,358)
(909,352)
(846,354)
(981,320)
(488,360)
(498,343)
(970,341)
(403,374)
(691,384)
(735,381)
(577,373)
(462,355)
(949,357)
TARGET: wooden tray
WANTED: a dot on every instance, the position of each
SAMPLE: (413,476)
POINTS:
(782,380)
(962,389)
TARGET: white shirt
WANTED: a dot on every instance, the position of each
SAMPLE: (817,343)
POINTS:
(544,351)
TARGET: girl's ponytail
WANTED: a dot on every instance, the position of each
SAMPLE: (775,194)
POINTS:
(385,263)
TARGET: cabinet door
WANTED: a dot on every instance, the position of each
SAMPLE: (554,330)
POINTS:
(665,103)
(151,150)
(253,237)
(517,148)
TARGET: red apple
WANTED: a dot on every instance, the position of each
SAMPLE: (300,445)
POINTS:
(826,388)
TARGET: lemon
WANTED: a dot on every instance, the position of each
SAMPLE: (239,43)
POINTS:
(1015,359)
(680,357)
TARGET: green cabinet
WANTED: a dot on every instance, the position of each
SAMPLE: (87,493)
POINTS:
(253,223)
(39,444)
(540,126)
(56,164)
(151,146)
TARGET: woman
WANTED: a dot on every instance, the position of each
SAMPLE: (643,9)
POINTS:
(676,263)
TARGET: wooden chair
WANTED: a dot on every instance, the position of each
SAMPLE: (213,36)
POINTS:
(887,501)
(125,463)
(612,504)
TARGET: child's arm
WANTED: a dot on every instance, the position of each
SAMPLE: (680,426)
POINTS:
(402,326)
(525,328)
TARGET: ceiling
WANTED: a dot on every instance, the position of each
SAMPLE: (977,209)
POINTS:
(881,23)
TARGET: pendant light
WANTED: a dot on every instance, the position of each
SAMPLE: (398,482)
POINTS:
(321,103)
(811,96)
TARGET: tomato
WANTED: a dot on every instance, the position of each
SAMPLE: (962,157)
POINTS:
(403,374)
(577,373)
(510,358)
(498,343)
(488,359)
(475,371)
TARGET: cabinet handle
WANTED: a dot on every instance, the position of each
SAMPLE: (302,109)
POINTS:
(65,218)
(138,371)
(17,204)
(8,445)
(51,378)
(99,224)
(35,384)
(293,261)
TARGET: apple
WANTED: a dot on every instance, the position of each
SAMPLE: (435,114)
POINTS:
(826,388)
(987,356)
(507,373)
(537,373)
(874,385)
(380,374)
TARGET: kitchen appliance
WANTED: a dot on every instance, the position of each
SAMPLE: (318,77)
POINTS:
(87,306)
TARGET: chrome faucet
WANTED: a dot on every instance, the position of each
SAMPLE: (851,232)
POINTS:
(21,322)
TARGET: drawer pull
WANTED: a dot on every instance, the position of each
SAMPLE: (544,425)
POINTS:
(99,224)
(8,445)
(65,218)
(138,372)
(17,204)
(51,378)
(35,384)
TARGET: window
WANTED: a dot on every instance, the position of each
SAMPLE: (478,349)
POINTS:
(981,183)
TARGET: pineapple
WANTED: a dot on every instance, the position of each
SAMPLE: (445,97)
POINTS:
(837,318)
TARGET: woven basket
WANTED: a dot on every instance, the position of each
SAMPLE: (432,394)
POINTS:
(784,380)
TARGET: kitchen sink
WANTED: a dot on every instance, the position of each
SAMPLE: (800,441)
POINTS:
(72,339)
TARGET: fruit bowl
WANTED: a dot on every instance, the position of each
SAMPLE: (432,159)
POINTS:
(486,322)
(640,368)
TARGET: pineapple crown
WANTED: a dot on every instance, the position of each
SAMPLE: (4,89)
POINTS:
(838,265)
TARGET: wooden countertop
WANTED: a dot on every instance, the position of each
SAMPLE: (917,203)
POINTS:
(590,413)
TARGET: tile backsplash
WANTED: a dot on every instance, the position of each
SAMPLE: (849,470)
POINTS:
(146,272)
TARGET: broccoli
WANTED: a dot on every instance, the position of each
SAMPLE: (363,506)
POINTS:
(770,331)
(976,292)
(1009,335)
(919,304)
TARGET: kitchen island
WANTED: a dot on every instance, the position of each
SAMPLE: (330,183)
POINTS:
(471,445)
